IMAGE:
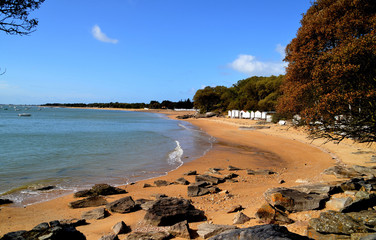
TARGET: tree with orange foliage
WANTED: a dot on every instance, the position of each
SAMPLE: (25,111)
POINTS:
(331,76)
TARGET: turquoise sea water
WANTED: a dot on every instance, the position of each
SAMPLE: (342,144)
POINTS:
(73,149)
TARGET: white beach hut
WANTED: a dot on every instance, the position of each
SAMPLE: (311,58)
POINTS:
(263,115)
(245,114)
(252,115)
(258,115)
(235,114)
(269,118)
(229,114)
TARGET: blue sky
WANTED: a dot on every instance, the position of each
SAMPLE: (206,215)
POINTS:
(142,50)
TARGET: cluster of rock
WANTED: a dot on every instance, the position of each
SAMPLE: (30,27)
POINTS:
(54,230)
(350,205)
(197,115)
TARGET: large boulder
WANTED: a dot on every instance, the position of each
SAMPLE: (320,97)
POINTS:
(100,189)
(208,178)
(332,222)
(148,236)
(5,201)
(361,203)
(342,172)
(240,218)
(98,213)
(180,229)
(207,230)
(169,211)
(47,231)
(259,233)
(293,200)
(270,215)
(94,201)
(123,205)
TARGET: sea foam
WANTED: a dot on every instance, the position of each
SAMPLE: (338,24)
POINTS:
(175,156)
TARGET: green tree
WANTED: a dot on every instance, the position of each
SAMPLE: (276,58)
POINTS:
(14,16)
(331,76)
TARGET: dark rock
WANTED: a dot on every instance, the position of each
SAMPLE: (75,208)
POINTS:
(207,178)
(293,200)
(240,218)
(342,172)
(231,176)
(261,232)
(120,228)
(323,189)
(46,188)
(332,222)
(142,201)
(161,183)
(366,217)
(148,236)
(186,116)
(194,172)
(123,205)
(5,201)
(260,172)
(365,170)
(94,201)
(181,181)
(351,185)
(232,168)
(169,211)
(235,208)
(361,204)
(110,236)
(105,189)
(54,223)
(41,226)
(45,231)
(98,213)
(83,193)
(100,189)
(207,230)
(146,185)
(14,236)
(312,234)
(281,181)
(73,222)
(195,191)
(270,215)
(159,196)
(180,229)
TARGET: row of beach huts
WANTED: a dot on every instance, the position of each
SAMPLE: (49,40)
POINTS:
(253,115)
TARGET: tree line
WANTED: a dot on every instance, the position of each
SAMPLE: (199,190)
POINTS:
(254,93)
(166,104)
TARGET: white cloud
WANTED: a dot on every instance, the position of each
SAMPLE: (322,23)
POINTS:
(100,36)
(281,50)
(248,64)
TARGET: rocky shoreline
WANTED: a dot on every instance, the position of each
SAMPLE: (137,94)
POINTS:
(347,209)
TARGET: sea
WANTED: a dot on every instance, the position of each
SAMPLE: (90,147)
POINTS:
(64,150)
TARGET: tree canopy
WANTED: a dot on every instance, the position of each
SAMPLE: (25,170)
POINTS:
(254,93)
(14,16)
(331,76)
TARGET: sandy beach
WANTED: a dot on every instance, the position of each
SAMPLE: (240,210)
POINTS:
(282,149)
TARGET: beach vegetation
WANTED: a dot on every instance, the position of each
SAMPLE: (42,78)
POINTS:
(14,16)
(330,80)
(254,93)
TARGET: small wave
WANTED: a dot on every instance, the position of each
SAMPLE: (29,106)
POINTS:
(175,156)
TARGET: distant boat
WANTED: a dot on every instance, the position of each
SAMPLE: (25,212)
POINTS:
(24,115)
